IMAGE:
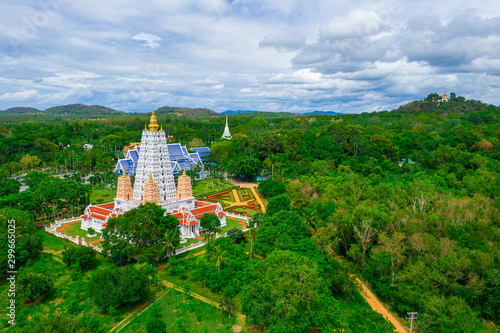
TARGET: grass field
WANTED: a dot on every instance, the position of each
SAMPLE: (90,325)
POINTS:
(75,229)
(203,186)
(98,196)
(183,313)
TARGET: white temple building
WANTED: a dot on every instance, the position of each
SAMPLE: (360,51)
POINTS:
(154,182)
(226,135)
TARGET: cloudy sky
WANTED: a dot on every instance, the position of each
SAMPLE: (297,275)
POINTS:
(276,55)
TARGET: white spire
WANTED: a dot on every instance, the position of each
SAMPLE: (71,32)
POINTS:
(154,163)
(226,135)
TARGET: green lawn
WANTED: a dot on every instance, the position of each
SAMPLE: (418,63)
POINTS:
(203,186)
(231,223)
(75,230)
(98,196)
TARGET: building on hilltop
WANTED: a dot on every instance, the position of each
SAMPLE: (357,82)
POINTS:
(154,182)
(445,97)
(226,135)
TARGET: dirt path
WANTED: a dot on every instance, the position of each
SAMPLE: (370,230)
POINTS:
(122,324)
(242,183)
(377,306)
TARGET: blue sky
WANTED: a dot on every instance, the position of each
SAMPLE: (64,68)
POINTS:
(287,55)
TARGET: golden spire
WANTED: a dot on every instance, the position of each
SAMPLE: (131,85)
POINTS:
(145,127)
(150,178)
(184,173)
(124,175)
(161,128)
(153,125)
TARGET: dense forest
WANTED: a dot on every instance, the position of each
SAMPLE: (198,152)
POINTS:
(406,199)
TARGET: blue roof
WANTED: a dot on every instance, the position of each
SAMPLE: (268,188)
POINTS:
(134,155)
(195,157)
(202,151)
(185,151)
(173,164)
(175,151)
(186,165)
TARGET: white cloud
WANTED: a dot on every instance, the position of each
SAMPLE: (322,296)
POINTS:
(19,96)
(149,40)
(284,41)
(357,24)
(262,54)
(206,82)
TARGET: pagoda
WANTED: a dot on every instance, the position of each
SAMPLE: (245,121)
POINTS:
(226,135)
(154,182)
(154,160)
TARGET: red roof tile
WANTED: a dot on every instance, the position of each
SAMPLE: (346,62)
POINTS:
(99,210)
(109,205)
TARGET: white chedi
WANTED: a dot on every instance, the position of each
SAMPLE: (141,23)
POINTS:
(154,160)
(226,135)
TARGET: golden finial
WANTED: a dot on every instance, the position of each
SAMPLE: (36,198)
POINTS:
(124,175)
(150,178)
(145,127)
(153,125)
(161,129)
(184,173)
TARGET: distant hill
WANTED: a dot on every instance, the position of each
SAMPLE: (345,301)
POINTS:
(457,105)
(324,113)
(81,110)
(165,110)
(238,111)
(21,109)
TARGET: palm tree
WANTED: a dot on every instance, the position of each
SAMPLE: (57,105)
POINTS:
(220,257)
(226,304)
(170,242)
(207,237)
(251,234)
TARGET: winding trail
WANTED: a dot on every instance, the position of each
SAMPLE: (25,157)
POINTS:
(377,306)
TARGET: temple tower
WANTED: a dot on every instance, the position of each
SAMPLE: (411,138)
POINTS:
(445,97)
(124,188)
(154,160)
(184,190)
(151,191)
(226,135)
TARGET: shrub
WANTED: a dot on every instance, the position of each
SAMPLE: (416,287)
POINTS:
(81,256)
(33,286)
